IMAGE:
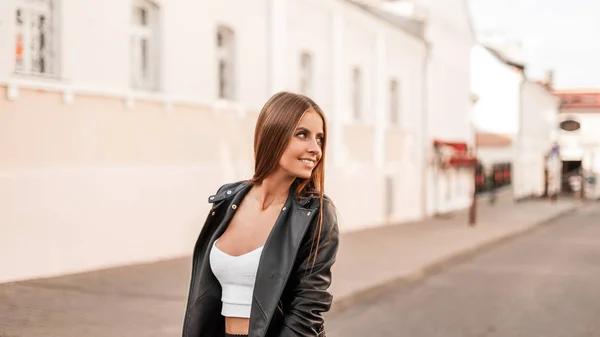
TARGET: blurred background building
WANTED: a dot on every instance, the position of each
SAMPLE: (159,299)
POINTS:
(516,120)
(579,138)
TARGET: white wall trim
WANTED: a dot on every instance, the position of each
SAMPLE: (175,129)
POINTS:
(36,171)
(70,92)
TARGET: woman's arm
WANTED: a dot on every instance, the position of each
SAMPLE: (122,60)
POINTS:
(309,295)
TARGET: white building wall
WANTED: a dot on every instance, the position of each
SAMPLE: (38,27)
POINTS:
(573,145)
(302,37)
(406,158)
(449,106)
(449,32)
(381,51)
(94,157)
(497,87)
(360,33)
(190,47)
(537,133)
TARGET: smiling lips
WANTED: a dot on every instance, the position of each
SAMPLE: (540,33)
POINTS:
(308,162)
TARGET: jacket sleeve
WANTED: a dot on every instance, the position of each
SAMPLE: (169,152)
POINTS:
(309,295)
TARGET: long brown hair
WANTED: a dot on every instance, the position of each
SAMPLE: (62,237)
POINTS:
(275,127)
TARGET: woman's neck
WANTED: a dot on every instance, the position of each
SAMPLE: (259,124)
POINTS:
(273,188)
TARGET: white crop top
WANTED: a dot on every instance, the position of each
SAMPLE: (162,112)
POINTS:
(237,275)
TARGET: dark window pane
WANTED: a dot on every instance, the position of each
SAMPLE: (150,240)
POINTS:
(356,92)
(394,101)
(19,17)
(222,80)
(144,50)
(143,16)
(219,39)
(42,42)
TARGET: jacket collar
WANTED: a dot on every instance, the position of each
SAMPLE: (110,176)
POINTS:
(229,191)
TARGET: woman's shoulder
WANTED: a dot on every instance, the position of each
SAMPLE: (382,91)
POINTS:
(316,201)
(226,190)
(329,208)
(330,214)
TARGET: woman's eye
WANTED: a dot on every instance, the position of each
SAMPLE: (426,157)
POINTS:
(302,135)
(320,140)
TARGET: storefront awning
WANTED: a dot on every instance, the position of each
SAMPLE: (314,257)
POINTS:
(457,146)
(463,161)
(456,154)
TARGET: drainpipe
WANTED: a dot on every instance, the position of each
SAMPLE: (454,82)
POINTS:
(425,131)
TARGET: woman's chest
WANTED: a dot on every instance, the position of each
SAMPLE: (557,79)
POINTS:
(248,230)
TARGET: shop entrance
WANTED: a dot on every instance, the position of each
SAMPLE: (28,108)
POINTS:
(569,168)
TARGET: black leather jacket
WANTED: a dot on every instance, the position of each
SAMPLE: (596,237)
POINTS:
(290,293)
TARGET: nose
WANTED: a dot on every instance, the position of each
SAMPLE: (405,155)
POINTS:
(314,147)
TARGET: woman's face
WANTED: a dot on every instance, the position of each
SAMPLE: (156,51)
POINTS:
(305,148)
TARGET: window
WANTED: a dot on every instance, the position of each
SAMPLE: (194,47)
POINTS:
(226,62)
(144,45)
(394,102)
(306,74)
(36,46)
(356,93)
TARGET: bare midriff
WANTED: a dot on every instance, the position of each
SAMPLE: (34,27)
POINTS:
(237,325)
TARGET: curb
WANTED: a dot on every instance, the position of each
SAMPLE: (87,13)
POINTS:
(377,290)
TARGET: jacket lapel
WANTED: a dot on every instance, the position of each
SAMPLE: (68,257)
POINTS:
(204,319)
(276,262)
(238,195)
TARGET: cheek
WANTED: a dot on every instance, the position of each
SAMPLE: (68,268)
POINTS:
(293,151)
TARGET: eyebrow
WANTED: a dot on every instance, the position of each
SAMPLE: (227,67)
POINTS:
(307,130)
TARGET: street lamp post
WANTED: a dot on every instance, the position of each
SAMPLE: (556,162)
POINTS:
(473,209)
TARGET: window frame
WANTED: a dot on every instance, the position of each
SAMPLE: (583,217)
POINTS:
(25,38)
(357,94)
(225,45)
(306,78)
(394,101)
(145,70)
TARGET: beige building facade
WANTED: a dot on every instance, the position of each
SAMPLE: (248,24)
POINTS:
(117,121)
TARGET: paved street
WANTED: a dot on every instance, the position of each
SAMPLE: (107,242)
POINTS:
(544,284)
(149,299)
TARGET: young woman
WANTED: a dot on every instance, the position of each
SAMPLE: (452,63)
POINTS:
(262,262)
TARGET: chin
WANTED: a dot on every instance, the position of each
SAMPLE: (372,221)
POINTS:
(303,174)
